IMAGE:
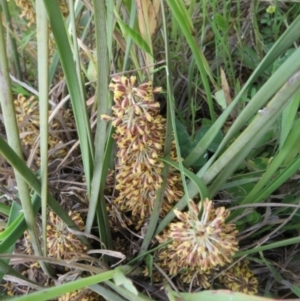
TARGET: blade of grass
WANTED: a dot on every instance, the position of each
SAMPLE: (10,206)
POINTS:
(17,227)
(79,5)
(127,294)
(53,292)
(110,28)
(12,41)
(97,192)
(132,19)
(160,193)
(7,105)
(202,189)
(288,117)
(13,214)
(106,293)
(182,17)
(278,244)
(72,31)
(78,103)
(42,50)
(278,181)
(4,209)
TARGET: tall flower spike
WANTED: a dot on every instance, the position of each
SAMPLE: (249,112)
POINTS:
(203,243)
(140,136)
(240,278)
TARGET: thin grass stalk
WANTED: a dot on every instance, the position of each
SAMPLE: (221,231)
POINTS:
(170,101)
(72,29)
(126,293)
(132,20)
(42,49)
(16,228)
(12,215)
(78,103)
(106,293)
(55,58)
(160,193)
(102,98)
(56,291)
(12,41)
(110,28)
(272,246)
(10,122)
(286,174)
(132,55)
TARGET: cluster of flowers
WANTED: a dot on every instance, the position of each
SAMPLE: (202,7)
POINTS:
(61,244)
(140,136)
(27,113)
(201,241)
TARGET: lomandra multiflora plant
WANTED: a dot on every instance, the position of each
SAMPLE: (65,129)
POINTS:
(140,136)
(201,240)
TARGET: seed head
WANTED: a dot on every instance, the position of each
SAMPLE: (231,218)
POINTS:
(199,243)
(140,136)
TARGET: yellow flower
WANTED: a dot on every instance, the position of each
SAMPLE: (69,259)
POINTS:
(203,243)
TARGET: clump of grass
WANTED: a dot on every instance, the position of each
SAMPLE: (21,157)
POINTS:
(224,126)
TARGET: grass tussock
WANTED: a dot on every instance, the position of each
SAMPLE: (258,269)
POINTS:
(149,150)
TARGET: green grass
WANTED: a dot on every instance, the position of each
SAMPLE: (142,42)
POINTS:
(229,71)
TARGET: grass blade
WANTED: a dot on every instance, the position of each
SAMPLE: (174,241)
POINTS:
(78,102)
